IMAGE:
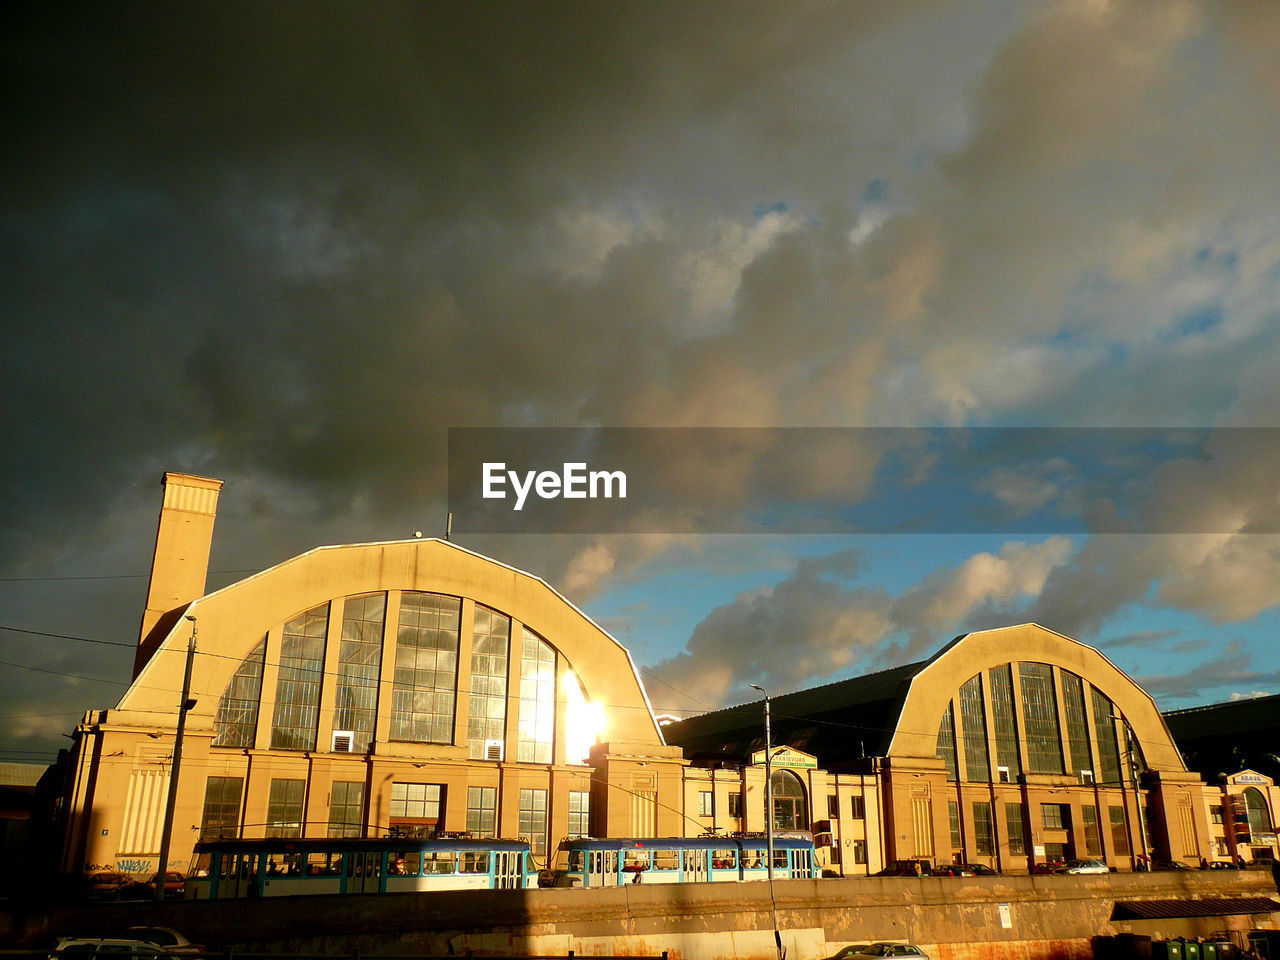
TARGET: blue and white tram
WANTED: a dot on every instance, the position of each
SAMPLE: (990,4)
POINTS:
(279,867)
(607,863)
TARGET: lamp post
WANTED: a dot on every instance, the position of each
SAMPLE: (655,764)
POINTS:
(1137,794)
(768,779)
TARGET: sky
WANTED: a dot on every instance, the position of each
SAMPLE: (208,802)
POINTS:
(290,246)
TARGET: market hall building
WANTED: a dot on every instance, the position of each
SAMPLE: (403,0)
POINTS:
(417,687)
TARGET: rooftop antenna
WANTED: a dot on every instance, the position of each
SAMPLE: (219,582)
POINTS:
(448,525)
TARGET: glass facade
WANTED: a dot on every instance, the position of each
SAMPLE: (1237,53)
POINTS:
(346,809)
(482,811)
(537,699)
(285,808)
(487,720)
(221,815)
(947,743)
(1040,712)
(1077,725)
(1104,727)
(236,723)
(293,725)
(533,820)
(355,704)
(973,725)
(423,692)
(1004,722)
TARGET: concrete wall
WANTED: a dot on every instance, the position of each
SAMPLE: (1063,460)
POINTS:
(1049,917)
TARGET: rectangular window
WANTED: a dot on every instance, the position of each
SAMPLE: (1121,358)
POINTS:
(426,672)
(735,804)
(1104,731)
(953,818)
(1040,708)
(1004,723)
(1092,835)
(355,703)
(858,808)
(1077,725)
(1215,813)
(346,809)
(579,813)
(482,811)
(415,808)
(1055,816)
(284,808)
(835,854)
(973,725)
(221,816)
(833,806)
(537,699)
(946,749)
(706,803)
(487,719)
(1119,831)
(984,839)
(1013,826)
(859,851)
(293,724)
(533,820)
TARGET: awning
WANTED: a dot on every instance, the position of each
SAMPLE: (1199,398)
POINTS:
(1208,907)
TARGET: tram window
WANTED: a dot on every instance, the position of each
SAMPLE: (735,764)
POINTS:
(412,862)
(199,866)
(752,859)
(780,859)
(437,861)
(724,859)
(666,859)
(474,862)
(577,859)
(318,864)
(634,860)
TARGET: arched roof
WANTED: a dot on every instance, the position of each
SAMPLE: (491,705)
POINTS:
(937,680)
(233,620)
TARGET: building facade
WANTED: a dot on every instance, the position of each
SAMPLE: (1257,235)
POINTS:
(416,687)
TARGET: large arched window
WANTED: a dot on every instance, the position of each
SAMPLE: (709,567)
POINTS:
(1259,816)
(236,722)
(790,811)
(426,671)
(293,725)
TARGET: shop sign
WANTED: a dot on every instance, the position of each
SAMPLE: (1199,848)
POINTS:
(1250,777)
(787,757)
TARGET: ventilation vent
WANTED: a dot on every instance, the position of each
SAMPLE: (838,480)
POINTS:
(1086,776)
(343,741)
(493,749)
(1002,774)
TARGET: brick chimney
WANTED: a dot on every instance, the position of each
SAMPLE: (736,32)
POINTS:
(181,560)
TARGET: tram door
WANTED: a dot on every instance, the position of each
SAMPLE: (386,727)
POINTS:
(242,876)
(508,870)
(364,872)
(695,866)
(602,868)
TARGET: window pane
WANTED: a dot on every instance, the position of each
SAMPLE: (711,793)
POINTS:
(1040,707)
(973,723)
(221,816)
(537,699)
(426,672)
(487,718)
(293,726)
(284,808)
(355,704)
(236,723)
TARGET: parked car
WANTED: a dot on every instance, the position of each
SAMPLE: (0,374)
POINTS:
(884,949)
(1168,865)
(965,870)
(852,950)
(906,868)
(107,885)
(1049,867)
(168,939)
(175,884)
(107,948)
(1085,866)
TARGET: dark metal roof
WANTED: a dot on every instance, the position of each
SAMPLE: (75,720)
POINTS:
(1208,907)
(839,722)
(1228,737)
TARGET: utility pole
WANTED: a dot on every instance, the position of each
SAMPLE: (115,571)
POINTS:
(768,815)
(166,835)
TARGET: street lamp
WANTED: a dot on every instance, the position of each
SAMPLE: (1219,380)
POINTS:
(768,779)
(1137,793)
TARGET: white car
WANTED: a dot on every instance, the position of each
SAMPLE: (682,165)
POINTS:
(1086,866)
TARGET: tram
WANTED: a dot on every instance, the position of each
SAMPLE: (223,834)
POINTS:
(585,862)
(281,867)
